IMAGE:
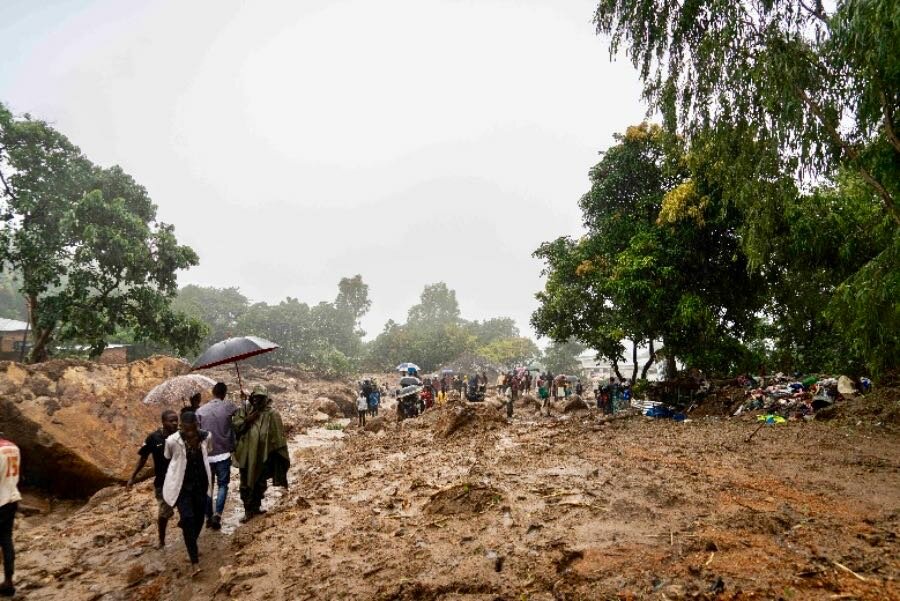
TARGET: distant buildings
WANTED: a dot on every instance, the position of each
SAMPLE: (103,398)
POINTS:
(592,369)
(13,339)
(15,343)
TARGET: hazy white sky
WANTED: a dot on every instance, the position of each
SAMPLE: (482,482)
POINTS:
(296,142)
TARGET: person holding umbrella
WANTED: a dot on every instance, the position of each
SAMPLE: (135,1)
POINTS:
(261,452)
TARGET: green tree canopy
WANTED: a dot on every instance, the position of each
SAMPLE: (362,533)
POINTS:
(85,244)
(324,337)
(661,261)
(510,352)
(435,334)
(437,306)
(562,357)
(218,308)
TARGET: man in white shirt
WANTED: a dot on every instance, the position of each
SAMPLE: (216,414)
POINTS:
(10,466)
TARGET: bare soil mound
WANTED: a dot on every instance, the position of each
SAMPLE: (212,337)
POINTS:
(464,497)
(456,418)
(880,406)
(576,403)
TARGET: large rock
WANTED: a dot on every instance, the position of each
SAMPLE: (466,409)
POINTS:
(575,403)
(327,406)
(79,424)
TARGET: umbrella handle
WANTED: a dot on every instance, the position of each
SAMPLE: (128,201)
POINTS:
(237,368)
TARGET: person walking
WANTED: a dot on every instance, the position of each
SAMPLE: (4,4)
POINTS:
(10,467)
(362,407)
(374,401)
(155,446)
(544,395)
(215,418)
(261,451)
(188,483)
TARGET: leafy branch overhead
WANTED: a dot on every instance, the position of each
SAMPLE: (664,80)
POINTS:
(822,88)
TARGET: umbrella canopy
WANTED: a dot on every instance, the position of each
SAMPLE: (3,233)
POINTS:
(233,350)
(178,389)
(404,367)
(408,391)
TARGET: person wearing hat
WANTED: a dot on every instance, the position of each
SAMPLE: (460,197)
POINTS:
(261,452)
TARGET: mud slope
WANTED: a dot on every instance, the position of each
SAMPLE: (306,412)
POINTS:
(461,504)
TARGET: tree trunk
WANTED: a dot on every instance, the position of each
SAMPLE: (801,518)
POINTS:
(616,369)
(649,362)
(671,367)
(40,336)
(634,369)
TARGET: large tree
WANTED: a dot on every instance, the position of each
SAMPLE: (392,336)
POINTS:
(84,243)
(661,261)
(437,306)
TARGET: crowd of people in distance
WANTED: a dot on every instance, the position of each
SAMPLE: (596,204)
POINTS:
(417,394)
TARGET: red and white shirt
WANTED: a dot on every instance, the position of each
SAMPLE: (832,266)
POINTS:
(10,466)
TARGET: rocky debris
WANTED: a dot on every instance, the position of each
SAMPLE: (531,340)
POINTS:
(327,406)
(529,403)
(575,403)
(375,424)
(464,497)
(455,418)
(78,423)
(563,507)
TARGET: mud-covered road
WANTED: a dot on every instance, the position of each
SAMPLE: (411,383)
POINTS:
(463,504)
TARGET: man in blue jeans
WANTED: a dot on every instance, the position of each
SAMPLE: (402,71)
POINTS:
(215,417)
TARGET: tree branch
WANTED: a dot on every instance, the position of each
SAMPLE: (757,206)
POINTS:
(818,12)
(889,121)
(650,361)
(6,187)
(852,153)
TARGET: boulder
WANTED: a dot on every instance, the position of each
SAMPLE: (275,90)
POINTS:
(575,403)
(374,424)
(79,424)
(327,406)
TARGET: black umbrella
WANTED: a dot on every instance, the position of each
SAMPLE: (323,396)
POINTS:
(233,350)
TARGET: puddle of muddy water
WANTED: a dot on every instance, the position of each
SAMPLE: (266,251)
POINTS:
(311,439)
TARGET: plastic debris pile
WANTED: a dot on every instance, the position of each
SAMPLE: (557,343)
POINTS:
(795,397)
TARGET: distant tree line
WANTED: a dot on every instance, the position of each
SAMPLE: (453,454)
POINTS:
(327,337)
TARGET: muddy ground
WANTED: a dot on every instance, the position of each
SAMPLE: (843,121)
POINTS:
(463,504)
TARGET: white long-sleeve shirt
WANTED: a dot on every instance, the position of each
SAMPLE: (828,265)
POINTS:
(10,466)
(176,453)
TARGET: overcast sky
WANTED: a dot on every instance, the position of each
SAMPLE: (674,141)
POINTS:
(295,142)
